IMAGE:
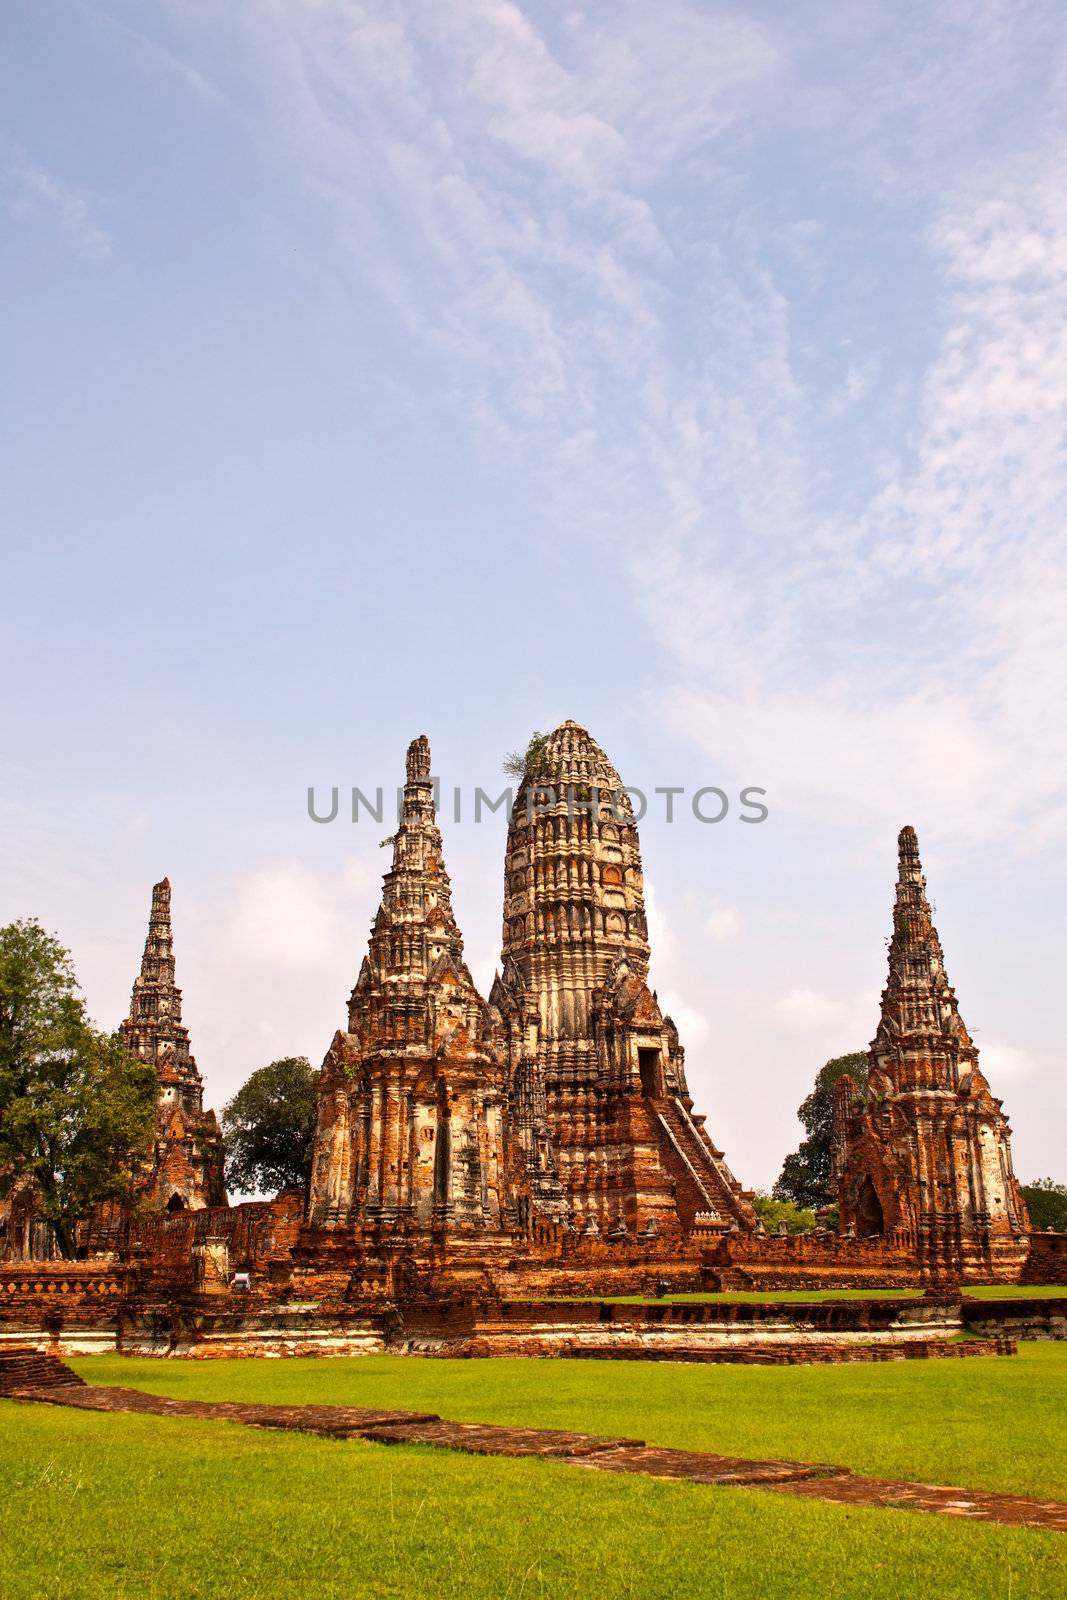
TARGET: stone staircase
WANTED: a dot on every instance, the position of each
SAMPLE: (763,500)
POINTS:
(697,1160)
(25,1368)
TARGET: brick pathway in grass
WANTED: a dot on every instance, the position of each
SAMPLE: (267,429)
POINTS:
(819,1482)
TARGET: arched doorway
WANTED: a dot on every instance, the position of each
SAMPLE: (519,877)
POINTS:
(175,1203)
(869,1219)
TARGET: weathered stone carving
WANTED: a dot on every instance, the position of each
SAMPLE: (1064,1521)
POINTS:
(925,1160)
(186,1168)
(418,1119)
(579,1015)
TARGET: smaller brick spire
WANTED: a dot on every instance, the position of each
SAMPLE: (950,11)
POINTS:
(415,929)
(186,1169)
(154,1029)
(914,933)
(922,1042)
(925,1157)
(417,760)
(413,1126)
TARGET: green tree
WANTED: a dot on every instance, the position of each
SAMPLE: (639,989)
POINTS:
(77,1111)
(534,762)
(269,1128)
(1046,1202)
(772,1213)
(805,1175)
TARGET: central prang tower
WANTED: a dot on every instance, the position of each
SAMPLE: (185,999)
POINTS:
(574,900)
(575,1002)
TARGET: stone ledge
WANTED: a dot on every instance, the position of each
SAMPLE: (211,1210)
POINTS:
(804,1355)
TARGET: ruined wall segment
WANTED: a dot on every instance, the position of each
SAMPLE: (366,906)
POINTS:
(925,1159)
(633,1158)
(186,1167)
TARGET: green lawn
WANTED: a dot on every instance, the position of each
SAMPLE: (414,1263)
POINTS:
(100,1507)
(987,1422)
(1017,1291)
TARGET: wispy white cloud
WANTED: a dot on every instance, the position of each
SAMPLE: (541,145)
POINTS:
(945,594)
(807,1009)
(812,1023)
(556,208)
(1005,1061)
(660,933)
(284,915)
(267,961)
(495,175)
(693,1026)
(723,923)
(675,1001)
(37,194)
(154,55)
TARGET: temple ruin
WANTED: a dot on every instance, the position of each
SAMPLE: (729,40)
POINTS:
(446,1121)
(185,1169)
(633,1156)
(479,1159)
(923,1158)
(417,1143)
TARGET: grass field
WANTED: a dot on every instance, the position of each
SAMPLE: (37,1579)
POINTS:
(143,1508)
(146,1508)
(1016,1291)
(985,1423)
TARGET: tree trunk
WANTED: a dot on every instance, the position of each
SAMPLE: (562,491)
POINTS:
(64,1236)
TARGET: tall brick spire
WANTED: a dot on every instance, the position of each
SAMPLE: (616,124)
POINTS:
(186,1168)
(921,1043)
(154,1029)
(922,1154)
(412,1138)
(572,992)
(415,933)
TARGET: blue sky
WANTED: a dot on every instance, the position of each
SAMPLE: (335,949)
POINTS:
(697,373)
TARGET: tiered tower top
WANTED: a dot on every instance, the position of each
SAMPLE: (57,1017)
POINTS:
(154,1029)
(573,892)
(415,943)
(921,1044)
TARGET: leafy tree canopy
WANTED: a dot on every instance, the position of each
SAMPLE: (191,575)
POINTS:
(77,1111)
(1046,1202)
(772,1213)
(269,1128)
(805,1175)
